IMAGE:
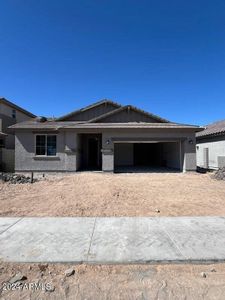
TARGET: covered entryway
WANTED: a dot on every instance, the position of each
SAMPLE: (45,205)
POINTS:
(90,152)
(157,156)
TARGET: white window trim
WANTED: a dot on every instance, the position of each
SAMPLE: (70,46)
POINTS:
(44,134)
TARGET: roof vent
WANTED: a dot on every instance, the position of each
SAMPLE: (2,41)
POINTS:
(41,119)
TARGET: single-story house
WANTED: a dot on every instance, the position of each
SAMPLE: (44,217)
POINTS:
(10,114)
(211,146)
(104,136)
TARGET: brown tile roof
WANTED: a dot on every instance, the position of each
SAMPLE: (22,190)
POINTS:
(134,125)
(52,125)
(217,128)
(11,104)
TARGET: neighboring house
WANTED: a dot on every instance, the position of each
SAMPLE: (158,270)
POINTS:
(9,115)
(104,136)
(211,146)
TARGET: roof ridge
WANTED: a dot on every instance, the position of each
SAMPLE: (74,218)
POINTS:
(214,123)
(88,107)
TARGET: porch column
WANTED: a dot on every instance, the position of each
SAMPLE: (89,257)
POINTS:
(70,151)
(190,154)
(182,164)
(107,160)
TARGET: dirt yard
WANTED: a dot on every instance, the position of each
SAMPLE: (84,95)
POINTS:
(98,194)
(115,282)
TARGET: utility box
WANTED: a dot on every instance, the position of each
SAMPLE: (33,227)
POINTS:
(221,161)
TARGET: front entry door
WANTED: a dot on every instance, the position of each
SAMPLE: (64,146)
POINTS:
(93,151)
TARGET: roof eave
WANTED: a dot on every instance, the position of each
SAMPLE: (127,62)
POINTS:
(2,134)
(11,104)
(210,135)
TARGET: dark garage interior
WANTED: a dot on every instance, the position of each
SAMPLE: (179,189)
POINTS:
(152,156)
(148,155)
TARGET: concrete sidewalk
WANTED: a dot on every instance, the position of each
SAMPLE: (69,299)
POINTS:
(113,240)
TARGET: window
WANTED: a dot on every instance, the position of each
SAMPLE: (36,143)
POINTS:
(51,145)
(13,113)
(46,145)
(40,144)
(2,143)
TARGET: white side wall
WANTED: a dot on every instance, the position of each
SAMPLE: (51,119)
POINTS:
(216,149)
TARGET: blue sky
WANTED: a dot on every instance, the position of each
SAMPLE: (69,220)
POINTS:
(167,57)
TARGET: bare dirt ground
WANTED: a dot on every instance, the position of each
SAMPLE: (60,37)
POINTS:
(116,282)
(98,194)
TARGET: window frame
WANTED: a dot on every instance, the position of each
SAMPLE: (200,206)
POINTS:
(14,113)
(35,144)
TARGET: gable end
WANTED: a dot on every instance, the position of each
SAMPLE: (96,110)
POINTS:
(92,111)
(128,114)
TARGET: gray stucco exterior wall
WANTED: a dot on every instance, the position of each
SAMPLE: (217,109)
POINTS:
(25,159)
(189,152)
(6,120)
(65,159)
(68,148)
(185,138)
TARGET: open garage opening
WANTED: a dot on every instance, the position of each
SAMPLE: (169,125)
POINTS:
(147,157)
